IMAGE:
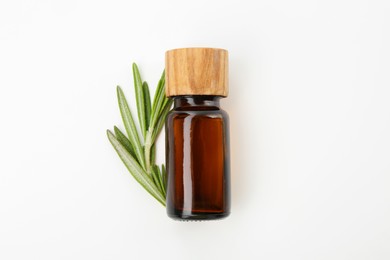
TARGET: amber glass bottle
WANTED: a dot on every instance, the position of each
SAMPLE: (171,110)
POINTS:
(197,134)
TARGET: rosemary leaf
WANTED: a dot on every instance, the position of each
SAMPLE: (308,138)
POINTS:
(139,96)
(148,105)
(164,177)
(159,89)
(130,126)
(161,120)
(155,179)
(160,178)
(157,176)
(134,168)
(124,141)
(158,102)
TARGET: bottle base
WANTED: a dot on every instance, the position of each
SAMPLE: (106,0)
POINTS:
(199,216)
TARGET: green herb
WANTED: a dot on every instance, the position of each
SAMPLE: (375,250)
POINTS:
(137,151)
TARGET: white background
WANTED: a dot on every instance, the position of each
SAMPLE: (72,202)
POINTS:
(310,129)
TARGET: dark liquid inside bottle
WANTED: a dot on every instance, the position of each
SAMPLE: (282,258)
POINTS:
(197,159)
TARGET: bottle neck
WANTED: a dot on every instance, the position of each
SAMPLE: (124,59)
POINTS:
(196,101)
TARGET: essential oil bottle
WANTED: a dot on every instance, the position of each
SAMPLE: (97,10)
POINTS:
(197,134)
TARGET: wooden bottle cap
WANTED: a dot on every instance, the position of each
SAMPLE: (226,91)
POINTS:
(196,71)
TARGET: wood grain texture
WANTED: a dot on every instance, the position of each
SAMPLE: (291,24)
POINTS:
(196,71)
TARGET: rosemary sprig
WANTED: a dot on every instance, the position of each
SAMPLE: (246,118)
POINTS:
(139,156)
